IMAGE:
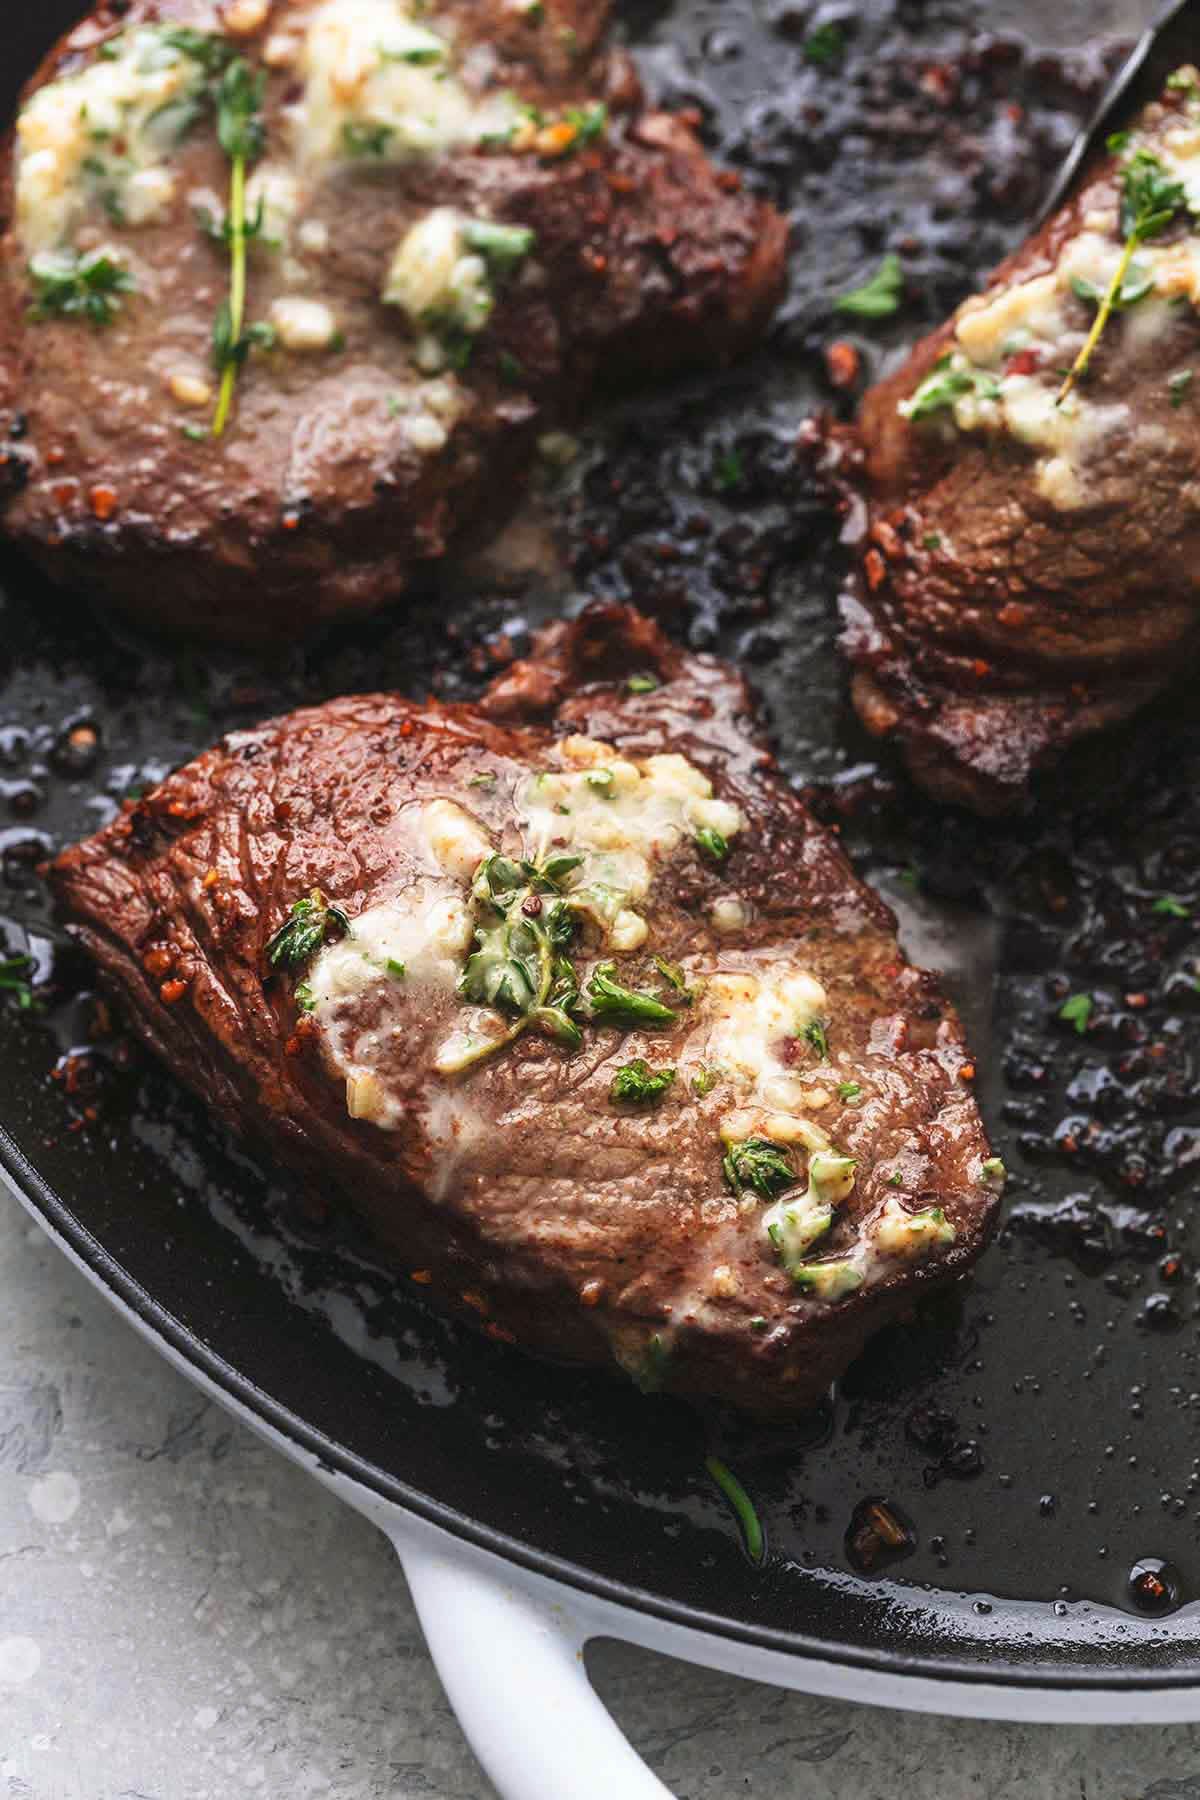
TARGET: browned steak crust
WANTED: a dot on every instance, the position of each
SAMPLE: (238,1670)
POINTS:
(322,497)
(520,1193)
(997,621)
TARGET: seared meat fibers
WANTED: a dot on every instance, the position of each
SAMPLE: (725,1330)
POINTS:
(572,999)
(463,223)
(1029,573)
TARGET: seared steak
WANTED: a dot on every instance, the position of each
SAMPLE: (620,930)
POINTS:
(569,996)
(462,222)
(1030,567)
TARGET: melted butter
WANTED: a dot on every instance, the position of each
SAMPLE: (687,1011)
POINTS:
(379,85)
(624,818)
(68,131)
(755,1018)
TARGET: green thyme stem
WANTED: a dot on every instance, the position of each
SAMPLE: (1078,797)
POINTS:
(743,1506)
(237,288)
(1079,367)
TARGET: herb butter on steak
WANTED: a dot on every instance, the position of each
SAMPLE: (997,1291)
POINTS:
(289,291)
(569,995)
(1029,573)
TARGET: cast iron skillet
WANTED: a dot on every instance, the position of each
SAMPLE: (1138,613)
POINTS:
(1037,1434)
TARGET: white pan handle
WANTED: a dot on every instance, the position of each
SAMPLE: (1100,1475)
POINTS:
(512,1664)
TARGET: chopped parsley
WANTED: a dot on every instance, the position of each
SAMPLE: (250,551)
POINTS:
(309,925)
(1076,1010)
(1150,201)
(740,1501)
(848,1090)
(396,969)
(638,1083)
(932,540)
(650,1371)
(712,843)
(704,1081)
(304,997)
(619,1005)
(879,297)
(1168,907)
(757,1165)
(15,972)
(814,1033)
(728,470)
(825,46)
(642,684)
(417,56)
(944,385)
(69,286)
(362,139)
(588,122)
(673,974)
(1179,384)
(503,247)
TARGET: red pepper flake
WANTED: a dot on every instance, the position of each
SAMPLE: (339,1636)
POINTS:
(730,181)
(291,521)
(842,363)
(211,879)
(500,1333)
(422,1277)
(967,1072)
(887,537)
(876,570)
(55,457)
(63,492)
(472,1299)
(1137,1001)
(1023,363)
(1012,614)
(103,502)
(172,991)
(980,668)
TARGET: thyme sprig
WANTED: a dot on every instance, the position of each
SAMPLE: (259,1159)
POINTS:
(1150,201)
(519,966)
(242,136)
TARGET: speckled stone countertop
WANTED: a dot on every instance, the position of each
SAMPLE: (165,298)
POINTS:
(184,1616)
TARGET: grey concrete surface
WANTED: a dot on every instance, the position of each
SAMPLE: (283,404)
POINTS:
(185,1616)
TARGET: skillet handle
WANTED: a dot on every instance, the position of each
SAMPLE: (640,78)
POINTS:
(511,1661)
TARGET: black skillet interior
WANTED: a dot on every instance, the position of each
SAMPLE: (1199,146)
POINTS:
(1039,1433)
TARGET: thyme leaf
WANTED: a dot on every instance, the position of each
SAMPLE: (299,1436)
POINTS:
(879,297)
(69,286)
(307,927)
(619,1005)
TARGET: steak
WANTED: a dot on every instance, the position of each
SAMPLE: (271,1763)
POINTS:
(463,223)
(573,1001)
(1030,561)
